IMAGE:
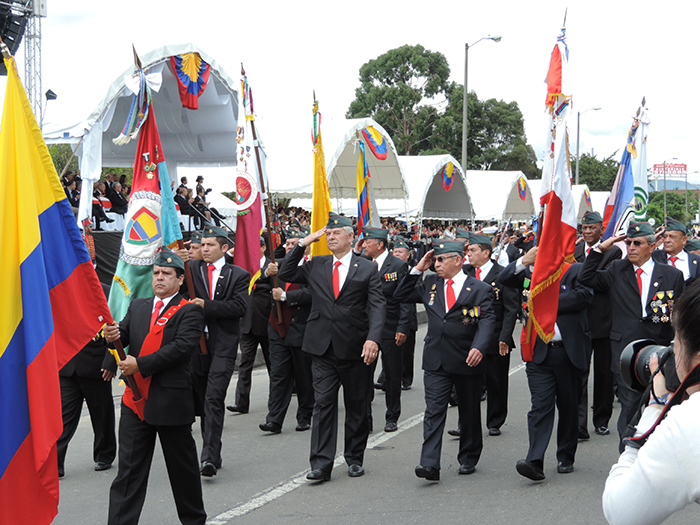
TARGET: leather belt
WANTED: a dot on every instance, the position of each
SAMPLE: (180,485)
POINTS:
(556,344)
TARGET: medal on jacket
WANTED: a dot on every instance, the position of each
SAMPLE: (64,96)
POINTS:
(471,316)
(432,296)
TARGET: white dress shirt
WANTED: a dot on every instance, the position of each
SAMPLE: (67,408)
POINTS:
(683,263)
(165,303)
(218,265)
(647,269)
(485,269)
(381,258)
(342,269)
(457,285)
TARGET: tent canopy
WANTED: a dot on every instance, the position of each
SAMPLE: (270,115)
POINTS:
(499,195)
(599,199)
(582,200)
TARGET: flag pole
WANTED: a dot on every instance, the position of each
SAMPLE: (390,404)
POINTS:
(266,202)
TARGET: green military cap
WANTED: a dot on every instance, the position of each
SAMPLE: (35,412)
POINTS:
(295,234)
(196,238)
(215,231)
(477,238)
(169,259)
(672,225)
(442,246)
(305,230)
(691,246)
(354,242)
(639,229)
(461,233)
(399,243)
(262,241)
(376,233)
(337,221)
(591,217)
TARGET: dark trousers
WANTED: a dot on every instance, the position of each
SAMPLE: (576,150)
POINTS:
(438,387)
(98,396)
(497,369)
(288,365)
(408,350)
(629,403)
(602,387)
(137,441)
(329,373)
(392,366)
(212,389)
(249,348)
(555,381)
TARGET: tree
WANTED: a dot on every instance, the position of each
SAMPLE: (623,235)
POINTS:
(61,155)
(675,206)
(599,175)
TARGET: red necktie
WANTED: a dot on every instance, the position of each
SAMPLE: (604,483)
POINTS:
(588,252)
(450,294)
(306,258)
(673,260)
(639,280)
(336,279)
(478,273)
(156,312)
(211,280)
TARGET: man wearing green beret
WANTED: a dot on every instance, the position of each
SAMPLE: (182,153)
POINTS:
(675,237)
(342,335)
(195,246)
(599,323)
(463,235)
(163,334)
(403,252)
(693,246)
(461,325)
(642,294)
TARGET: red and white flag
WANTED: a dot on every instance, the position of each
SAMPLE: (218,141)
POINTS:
(557,237)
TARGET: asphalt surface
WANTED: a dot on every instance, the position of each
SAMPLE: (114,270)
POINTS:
(263,475)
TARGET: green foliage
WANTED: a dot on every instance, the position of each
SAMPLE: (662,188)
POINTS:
(61,155)
(675,206)
(598,174)
(229,195)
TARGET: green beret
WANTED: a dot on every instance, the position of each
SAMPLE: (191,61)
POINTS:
(461,233)
(477,238)
(399,243)
(691,246)
(169,259)
(673,225)
(376,233)
(305,230)
(639,229)
(215,231)
(262,241)
(337,221)
(295,234)
(196,238)
(591,217)
(442,246)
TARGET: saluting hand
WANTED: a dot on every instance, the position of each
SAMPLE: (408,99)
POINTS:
(610,242)
(530,256)
(474,357)
(425,263)
(370,350)
(314,236)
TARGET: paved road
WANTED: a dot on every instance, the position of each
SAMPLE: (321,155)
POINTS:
(263,476)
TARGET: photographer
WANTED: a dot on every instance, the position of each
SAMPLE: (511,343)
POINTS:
(650,483)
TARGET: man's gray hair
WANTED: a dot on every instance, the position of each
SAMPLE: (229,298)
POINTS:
(349,230)
(651,238)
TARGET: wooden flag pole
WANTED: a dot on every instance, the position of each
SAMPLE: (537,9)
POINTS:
(192,294)
(129,379)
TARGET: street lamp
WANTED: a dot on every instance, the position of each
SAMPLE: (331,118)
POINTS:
(666,216)
(464,116)
(578,134)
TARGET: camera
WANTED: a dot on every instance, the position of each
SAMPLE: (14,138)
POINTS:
(634,365)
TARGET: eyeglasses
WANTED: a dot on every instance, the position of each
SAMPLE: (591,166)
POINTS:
(636,243)
(442,259)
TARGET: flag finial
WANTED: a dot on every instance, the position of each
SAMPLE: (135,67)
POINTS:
(137,60)
(4,49)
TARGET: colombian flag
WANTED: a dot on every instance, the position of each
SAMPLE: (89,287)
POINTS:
(364,214)
(51,305)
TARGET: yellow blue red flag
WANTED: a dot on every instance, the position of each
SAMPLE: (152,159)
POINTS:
(321,206)
(364,211)
(51,305)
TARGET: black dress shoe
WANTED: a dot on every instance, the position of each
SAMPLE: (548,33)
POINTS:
(61,472)
(583,434)
(391,426)
(494,431)
(318,475)
(405,387)
(467,469)
(530,469)
(269,426)
(236,408)
(380,386)
(429,473)
(208,469)
(301,427)
(99,466)
(355,471)
(454,433)
(602,430)
(565,469)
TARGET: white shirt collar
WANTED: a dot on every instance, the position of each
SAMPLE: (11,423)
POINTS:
(485,269)
(381,258)
(647,267)
(166,301)
(345,260)
(219,263)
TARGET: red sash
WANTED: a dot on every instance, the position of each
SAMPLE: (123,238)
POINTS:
(282,326)
(151,344)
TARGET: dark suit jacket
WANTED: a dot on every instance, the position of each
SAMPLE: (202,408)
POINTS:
(449,341)
(257,313)
(185,207)
(628,322)
(599,312)
(512,251)
(574,298)
(398,315)
(119,203)
(299,302)
(506,306)
(221,315)
(660,256)
(356,316)
(170,400)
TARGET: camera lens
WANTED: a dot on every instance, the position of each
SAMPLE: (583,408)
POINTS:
(634,365)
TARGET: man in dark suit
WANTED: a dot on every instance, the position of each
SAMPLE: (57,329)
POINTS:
(343,333)
(253,334)
(402,251)
(88,377)
(163,333)
(675,236)
(461,325)
(641,299)
(222,290)
(119,203)
(497,355)
(289,365)
(599,323)
(396,326)
(554,374)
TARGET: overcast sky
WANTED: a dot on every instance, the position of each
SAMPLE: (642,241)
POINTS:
(619,52)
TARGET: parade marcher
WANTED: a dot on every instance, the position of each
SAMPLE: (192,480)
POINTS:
(674,239)
(462,235)
(641,299)
(343,333)
(599,323)
(289,365)
(87,376)
(692,247)
(554,374)
(195,246)
(163,333)
(396,326)
(222,290)
(403,252)
(461,324)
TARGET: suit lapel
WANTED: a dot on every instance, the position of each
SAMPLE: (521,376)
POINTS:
(464,292)
(205,278)
(222,281)
(631,277)
(352,270)
(655,285)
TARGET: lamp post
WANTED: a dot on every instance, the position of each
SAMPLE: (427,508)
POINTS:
(666,216)
(464,116)
(578,134)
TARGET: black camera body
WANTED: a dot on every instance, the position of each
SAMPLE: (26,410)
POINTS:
(634,365)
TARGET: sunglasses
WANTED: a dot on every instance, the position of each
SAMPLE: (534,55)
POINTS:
(443,258)
(636,243)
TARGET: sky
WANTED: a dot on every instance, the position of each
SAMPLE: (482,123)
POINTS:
(619,53)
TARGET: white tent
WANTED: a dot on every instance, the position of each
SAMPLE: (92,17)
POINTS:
(500,195)
(599,199)
(582,200)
